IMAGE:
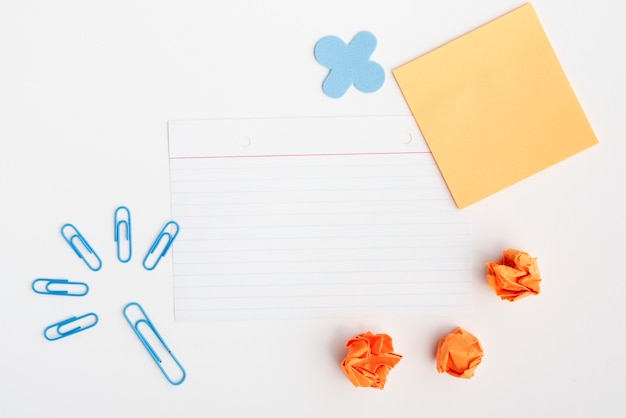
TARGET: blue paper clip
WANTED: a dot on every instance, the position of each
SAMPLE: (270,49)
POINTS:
(123,240)
(65,288)
(168,368)
(164,234)
(81,323)
(89,257)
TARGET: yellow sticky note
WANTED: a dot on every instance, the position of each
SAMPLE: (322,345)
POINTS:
(495,106)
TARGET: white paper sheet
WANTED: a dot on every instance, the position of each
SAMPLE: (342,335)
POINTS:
(313,217)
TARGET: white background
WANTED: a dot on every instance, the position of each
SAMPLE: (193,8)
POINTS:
(86,89)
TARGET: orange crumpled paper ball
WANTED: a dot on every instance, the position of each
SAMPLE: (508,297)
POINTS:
(369,360)
(515,276)
(458,354)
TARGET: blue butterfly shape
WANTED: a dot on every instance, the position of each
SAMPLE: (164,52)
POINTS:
(349,64)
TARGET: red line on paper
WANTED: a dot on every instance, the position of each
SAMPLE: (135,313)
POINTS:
(188,157)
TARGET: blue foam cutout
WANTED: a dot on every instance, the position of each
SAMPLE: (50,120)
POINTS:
(349,64)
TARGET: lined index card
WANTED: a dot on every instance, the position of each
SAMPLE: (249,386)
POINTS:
(313,217)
